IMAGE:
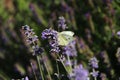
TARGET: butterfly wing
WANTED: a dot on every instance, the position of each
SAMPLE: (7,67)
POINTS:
(65,37)
(62,41)
(69,33)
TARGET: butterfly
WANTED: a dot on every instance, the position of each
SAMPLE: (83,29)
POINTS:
(65,37)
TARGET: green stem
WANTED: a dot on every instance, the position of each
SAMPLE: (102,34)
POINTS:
(63,64)
(58,72)
(33,71)
(48,71)
(68,57)
(40,67)
(57,68)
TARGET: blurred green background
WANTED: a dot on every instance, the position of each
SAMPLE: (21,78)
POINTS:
(95,22)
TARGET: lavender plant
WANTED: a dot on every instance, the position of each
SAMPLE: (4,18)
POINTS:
(93,62)
(63,45)
(32,39)
(94,22)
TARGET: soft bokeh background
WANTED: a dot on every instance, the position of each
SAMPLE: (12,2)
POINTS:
(95,23)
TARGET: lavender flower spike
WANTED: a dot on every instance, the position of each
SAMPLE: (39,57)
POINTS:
(93,62)
(61,23)
(37,50)
(94,73)
(51,35)
(70,49)
(81,73)
(32,39)
(30,35)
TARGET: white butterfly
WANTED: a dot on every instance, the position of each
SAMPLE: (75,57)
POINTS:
(65,37)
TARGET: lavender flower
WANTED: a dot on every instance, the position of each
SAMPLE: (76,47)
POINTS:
(53,43)
(37,50)
(51,36)
(31,38)
(118,33)
(94,73)
(61,23)
(70,49)
(26,78)
(26,27)
(81,73)
(55,49)
(93,62)
(68,63)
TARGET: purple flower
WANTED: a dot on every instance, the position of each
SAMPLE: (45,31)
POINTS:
(31,38)
(70,49)
(118,33)
(37,50)
(49,34)
(55,49)
(81,73)
(68,63)
(26,78)
(29,32)
(93,62)
(61,23)
(94,73)
(53,43)
(26,27)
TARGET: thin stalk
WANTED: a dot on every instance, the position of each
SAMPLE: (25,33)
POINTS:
(62,63)
(33,71)
(64,66)
(68,57)
(40,67)
(48,71)
(58,72)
